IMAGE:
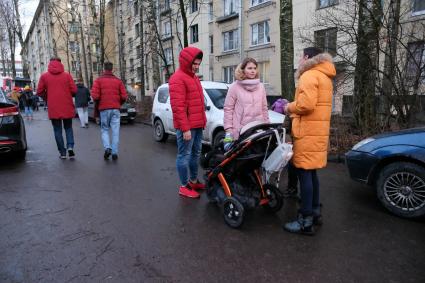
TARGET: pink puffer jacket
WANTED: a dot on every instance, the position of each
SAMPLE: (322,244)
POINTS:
(245,102)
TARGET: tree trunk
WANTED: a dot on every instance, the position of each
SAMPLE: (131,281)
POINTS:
(19,32)
(142,50)
(390,62)
(286,50)
(366,66)
(83,49)
(184,19)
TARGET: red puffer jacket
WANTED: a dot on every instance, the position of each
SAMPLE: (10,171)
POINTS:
(186,94)
(108,91)
(57,87)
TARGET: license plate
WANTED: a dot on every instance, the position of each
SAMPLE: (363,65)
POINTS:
(124,114)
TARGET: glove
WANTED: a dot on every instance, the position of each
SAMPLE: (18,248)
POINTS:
(227,141)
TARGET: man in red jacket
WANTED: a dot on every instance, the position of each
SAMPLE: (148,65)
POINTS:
(57,87)
(187,103)
(109,93)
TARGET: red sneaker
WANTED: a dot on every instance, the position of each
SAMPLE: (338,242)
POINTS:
(187,192)
(197,186)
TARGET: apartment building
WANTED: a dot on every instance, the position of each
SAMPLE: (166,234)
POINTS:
(68,29)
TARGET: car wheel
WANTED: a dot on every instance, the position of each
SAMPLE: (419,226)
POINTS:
(158,131)
(401,189)
(219,136)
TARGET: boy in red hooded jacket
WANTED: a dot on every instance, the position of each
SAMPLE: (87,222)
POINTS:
(187,103)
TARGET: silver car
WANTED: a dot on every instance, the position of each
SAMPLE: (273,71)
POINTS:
(214,95)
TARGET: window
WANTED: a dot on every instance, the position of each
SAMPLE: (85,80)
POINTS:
(163,94)
(166,5)
(138,51)
(74,66)
(326,40)
(73,27)
(194,34)
(260,33)
(167,29)
(210,11)
(94,48)
(418,7)
(230,40)
(74,46)
(93,30)
(229,74)
(264,70)
(229,7)
(193,6)
(136,8)
(211,44)
(130,45)
(258,2)
(137,30)
(95,66)
(415,61)
(131,65)
(168,55)
(139,72)
(327,3)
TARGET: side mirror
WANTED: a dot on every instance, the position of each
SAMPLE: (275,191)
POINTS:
(207,107)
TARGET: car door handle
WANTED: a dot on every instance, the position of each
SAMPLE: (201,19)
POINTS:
(166,109)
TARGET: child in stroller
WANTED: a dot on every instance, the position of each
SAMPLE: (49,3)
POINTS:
(239,179)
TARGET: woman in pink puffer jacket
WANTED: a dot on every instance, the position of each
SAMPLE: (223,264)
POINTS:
(246,99)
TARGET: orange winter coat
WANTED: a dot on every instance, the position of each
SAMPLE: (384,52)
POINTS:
(311,112)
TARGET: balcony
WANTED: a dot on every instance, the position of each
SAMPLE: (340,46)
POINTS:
(226,18)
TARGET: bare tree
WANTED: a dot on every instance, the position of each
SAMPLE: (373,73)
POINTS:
(9,21)
(379,51)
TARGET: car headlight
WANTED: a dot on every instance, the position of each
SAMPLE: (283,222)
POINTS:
(362,143)
(131,110)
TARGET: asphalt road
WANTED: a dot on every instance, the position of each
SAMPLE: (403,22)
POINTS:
(89,220)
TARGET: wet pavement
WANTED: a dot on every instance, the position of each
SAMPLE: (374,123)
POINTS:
(89,220)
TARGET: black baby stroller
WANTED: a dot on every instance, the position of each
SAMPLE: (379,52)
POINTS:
(239,179)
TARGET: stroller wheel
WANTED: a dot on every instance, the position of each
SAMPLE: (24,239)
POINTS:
(275,198)
(233,212)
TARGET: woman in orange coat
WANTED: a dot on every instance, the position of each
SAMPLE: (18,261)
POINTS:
(311,115)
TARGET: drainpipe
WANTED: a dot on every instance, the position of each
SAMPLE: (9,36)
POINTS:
(240,30)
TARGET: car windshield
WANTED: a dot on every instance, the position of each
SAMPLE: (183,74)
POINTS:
(217,96)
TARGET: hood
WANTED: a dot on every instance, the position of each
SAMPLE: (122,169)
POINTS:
(322,62)
(249,85)
(186,57)
(55,67)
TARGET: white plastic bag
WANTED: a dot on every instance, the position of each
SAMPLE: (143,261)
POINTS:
(279,158)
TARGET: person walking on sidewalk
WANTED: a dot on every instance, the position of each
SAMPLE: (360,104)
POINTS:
(82,99)
(109,93)
(311,115)
(187,103)
(28,102)
(57,88)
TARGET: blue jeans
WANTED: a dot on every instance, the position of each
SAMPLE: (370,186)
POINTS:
(57,129)
(188,153)
(28,111)
(309,188)
(110,119)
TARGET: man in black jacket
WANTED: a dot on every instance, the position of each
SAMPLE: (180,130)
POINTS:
(82,98)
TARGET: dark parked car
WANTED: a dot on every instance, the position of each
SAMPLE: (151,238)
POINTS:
(394,163)
(128,112)
(12,129)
